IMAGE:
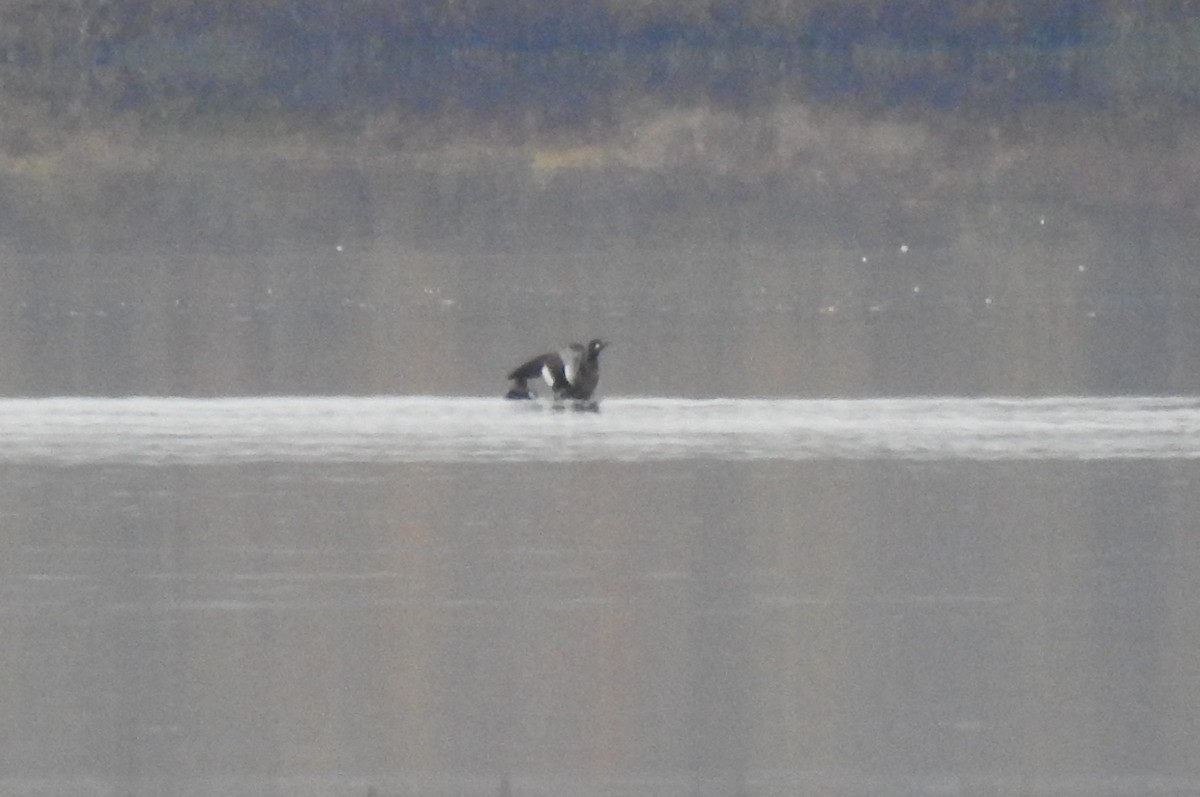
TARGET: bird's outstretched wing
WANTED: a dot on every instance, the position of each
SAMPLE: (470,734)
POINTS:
(547,366)
(531,369)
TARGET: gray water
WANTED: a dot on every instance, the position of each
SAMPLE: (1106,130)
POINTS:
(466,596)
(895,502)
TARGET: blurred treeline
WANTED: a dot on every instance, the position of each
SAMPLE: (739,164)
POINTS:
(505,122)
(531,67)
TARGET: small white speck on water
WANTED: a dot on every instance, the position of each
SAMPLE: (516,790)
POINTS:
(1042,220)
(987,300)
(1082,268)
(339,248)
(916,289)
(864,259)
(903,248)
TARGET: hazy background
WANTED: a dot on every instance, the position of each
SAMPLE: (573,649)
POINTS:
(769,198)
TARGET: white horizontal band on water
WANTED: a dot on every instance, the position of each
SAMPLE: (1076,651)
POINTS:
(327,429)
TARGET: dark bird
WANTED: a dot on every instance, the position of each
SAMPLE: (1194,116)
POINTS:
(571,373)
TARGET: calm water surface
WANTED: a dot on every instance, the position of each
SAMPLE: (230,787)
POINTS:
(427,596)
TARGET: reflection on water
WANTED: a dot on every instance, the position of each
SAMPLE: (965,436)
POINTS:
(444,429)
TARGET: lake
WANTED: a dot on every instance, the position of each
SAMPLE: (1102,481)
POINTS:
(891,491)
(467,596)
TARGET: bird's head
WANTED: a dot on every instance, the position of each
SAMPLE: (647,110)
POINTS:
(595,347)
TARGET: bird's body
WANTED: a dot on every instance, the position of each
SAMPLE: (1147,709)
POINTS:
(571,373)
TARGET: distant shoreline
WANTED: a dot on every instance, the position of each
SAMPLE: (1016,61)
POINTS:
(413,76)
